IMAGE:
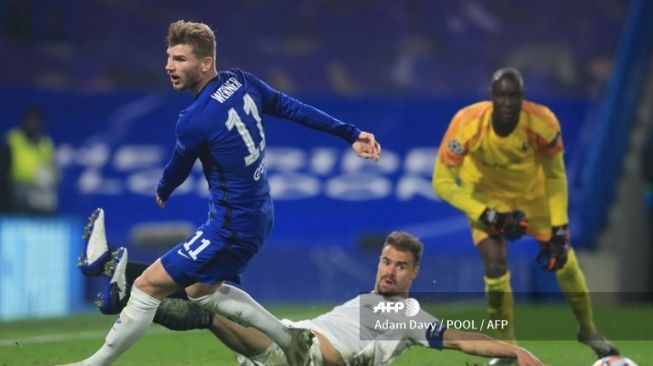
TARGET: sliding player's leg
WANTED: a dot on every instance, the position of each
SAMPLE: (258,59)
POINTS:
(97,259)
(175,312)
(254,348)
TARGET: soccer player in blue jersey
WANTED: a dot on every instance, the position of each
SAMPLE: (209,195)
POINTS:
(223,128)
(345,336)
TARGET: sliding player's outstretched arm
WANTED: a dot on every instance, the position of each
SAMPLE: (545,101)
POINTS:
(481,345)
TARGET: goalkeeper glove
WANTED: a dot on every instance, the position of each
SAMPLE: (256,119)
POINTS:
(554,253)
(510,225)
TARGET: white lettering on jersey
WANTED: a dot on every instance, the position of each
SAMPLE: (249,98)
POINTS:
(226,90)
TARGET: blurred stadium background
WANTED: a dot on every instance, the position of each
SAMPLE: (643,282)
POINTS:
(398,68)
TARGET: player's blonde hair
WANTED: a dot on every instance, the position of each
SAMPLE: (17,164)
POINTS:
(197,35)
(403,241)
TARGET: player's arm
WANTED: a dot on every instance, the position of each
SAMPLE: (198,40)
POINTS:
(180,164)
(453,150)
(445,184)
(553,255)
(550,149)
(278,104)
(555,180)
(549,138)
(437,336)
(481,345)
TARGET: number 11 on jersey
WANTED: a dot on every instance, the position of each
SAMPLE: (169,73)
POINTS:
(193,253)
(234,120)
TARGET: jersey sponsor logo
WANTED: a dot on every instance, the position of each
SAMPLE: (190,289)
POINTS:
(455,147)
(259,171)
(226,90)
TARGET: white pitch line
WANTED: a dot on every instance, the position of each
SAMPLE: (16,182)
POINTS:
(60,337)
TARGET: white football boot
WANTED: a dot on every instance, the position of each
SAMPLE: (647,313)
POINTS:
(96,250)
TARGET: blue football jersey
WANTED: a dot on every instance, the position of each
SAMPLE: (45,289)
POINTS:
(224,129)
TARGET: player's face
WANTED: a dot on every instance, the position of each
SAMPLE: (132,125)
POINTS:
(396,272)
(507,97)
(183,67)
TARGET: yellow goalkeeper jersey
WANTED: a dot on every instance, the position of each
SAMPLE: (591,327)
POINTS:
(524,165)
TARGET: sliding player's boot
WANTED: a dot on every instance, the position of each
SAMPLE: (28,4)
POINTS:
(298,351)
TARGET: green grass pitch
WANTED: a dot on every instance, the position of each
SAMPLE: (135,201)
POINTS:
(549,332)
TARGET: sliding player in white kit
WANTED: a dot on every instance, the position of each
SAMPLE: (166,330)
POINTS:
(344,336)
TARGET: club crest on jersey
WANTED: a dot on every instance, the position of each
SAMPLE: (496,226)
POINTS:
(525,146)
(455,147)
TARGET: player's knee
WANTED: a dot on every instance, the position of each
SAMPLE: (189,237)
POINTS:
(200,290)
(205,300)
(144,284)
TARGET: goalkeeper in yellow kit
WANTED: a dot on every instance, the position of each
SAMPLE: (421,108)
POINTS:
(501,163)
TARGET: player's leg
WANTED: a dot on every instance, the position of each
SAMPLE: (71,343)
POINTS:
(210,259)
(175,312)
(248,342)
(97,259)
(252,347)
(146,294)
(573,285)
(498,291)
(570,279)
(178,313)
(240,307)
(110,300)
(256,349)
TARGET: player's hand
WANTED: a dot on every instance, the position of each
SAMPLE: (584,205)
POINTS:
(553,255)
(160,202)
(367,147)
(510,225)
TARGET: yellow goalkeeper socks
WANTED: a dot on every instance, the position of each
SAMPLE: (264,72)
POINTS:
(498,294)
(572,284)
